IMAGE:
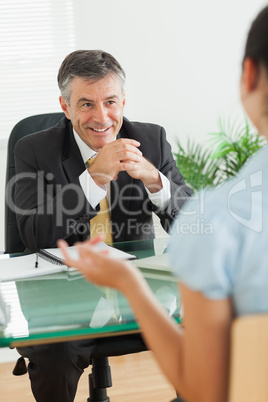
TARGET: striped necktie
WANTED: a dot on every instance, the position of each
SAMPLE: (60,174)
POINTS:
(101,223)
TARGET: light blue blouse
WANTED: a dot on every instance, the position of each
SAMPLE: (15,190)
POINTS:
(219,243)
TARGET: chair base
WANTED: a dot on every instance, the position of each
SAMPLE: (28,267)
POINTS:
(20,367)
(96,394)
(99,380)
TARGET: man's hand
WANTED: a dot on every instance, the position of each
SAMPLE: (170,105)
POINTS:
(148,174)
(124,155)
(115,157)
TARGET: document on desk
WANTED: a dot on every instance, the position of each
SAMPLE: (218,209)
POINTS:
(56,254)
(156,267)
(23,267)
(156,262)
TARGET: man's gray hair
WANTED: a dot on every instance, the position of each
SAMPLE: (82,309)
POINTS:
(92,65)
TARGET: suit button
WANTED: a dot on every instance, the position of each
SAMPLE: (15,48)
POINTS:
(174,212)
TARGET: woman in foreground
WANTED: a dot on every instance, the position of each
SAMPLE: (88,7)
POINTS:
(222,271)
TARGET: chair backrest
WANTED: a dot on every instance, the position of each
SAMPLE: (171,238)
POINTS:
(249,359)
(25,127)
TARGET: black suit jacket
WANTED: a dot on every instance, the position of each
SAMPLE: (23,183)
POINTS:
(51,204)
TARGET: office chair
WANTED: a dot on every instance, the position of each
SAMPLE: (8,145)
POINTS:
(29,125)
(100,377)
(248,379)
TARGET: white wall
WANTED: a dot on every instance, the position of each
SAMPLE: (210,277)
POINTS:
(182,60)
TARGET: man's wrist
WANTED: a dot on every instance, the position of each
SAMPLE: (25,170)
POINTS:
(97,178)
(155,183)
(161,198)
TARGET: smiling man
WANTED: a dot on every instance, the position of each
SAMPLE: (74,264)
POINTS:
(93,172)
(94,164)
(95,109)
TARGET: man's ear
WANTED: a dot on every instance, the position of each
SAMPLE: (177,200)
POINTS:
(64,107)
(250,74)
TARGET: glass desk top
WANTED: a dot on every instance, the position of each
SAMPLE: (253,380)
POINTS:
(64,306)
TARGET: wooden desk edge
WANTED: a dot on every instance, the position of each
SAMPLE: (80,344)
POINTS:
(32,342)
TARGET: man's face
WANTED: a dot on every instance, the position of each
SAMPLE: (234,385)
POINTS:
(95,110)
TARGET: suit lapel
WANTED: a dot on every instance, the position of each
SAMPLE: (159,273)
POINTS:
(72,161)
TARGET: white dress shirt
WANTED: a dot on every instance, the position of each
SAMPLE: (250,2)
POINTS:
(94,193)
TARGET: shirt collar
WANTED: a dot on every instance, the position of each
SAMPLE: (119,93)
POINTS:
(84,149)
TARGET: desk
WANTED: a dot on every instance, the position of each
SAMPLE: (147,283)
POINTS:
(66,307)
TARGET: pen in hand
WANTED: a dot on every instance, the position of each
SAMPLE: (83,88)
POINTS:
(36,261)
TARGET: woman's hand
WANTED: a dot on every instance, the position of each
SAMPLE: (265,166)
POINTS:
(98,267)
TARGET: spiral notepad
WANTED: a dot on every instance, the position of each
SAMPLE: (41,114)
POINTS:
(46,255)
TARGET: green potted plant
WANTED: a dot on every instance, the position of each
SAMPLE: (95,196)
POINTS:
(205,165)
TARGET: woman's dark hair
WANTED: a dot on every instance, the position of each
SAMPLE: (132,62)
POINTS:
(257,42)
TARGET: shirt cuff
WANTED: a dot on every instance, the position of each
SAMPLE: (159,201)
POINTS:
(161,198)
(93,193)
